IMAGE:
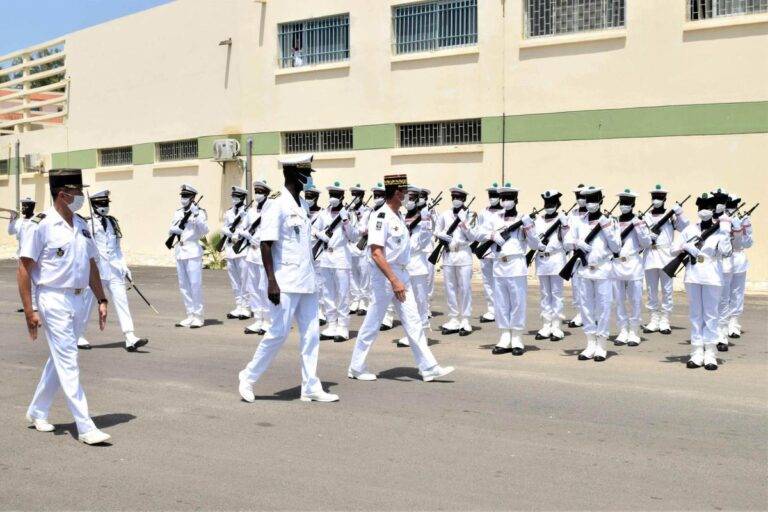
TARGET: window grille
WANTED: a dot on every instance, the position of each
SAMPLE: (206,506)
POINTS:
(706,9)
(337,139)
(554,17)
(434,25)
(177,150)
(3,166)
(441,133)
(316,41)
(116,156)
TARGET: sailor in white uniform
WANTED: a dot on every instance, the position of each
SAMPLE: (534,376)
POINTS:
(389,243)
(741,240)
(236,265)
(58,254)
(424,203)
(17,225)
(358,210)
(595,275)
(704,278)
(721,199)
(577,215)
(189,225)
(312,198)
(292,288)
(256,279)
(628,270)
(486,263)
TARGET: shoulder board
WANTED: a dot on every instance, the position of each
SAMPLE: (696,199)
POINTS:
(40,216)
(381,215)
(86,219)
(274,195)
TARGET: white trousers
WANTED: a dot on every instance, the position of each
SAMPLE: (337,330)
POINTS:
(421,295)
(659,282)
(511,295)
(628,296)
(190,272)
(237,269)
(724,304)
(302,307)
(356,279)
(703,302)
(738,287)
(256,289)
(458,290)
(335,297)
(408,313)
(551,297)
(118,297)
(431,280)
(59,312)
(487,269)
(596,297)
(576,292)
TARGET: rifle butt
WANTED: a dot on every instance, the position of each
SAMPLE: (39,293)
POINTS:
(435,256)
(529,257)
(671,268)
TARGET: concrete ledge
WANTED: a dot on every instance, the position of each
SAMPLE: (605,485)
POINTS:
(439,150)
(725,21)
(309,69)
(176,163)
(580,37)
(335,155)
(436,54)
(116,168)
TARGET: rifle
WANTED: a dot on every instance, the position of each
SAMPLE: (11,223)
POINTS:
(627,230)
(656,229)
(435,256)
(364,239)
(579,255)
(682,259)
(748,212)
(223,240)
(545,237)
(505,234)
(244,242)
(321,245)
(415,222)
(133,285)
(181,224)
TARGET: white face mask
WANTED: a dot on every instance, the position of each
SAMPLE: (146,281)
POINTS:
(657,203)
(259,198)
(422,201)
(378,201)
(76,204)
(705,214)
(334,202)
(236,201)
(311,202)
(457,203)
(625,208)
(720,208)
(102,210)
(550,211)
(508,204)
(581,202)
(410,204)
(185,201)
(593,207)
(494,201)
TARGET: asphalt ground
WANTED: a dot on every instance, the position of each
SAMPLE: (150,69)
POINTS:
(542,431)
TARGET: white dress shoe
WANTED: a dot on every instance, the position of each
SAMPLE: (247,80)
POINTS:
(83,343)
(245,389)
(40,425)
(623,336)
(436,373)
(403,342)
(319,396)
(363,375)
(589,352)
(235,313)
(95,436)
(633,339)
(196,323)
(185,322)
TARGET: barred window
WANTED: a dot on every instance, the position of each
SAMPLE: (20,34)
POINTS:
(554,17)
(116,156)
(177,150)
(315,41)
(706,9)
(434,25)
(337,139)
(441,133)
(3,166)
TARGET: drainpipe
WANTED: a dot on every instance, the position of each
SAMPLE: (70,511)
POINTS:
(249,170)
(18,175)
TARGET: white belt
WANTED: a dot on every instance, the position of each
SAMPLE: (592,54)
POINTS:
(549,254)
(702,258)
(626,257)
(596,264)
(74,291)
(659,246)
(508,258)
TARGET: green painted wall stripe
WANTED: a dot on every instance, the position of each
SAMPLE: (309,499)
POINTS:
(373,136)
(82,159)
(711,119)
(491,130)
(143,153)
(265,143)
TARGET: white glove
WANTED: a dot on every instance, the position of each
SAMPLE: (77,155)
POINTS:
(541,247)
(746,221)
(584,246)
(605,222)
(175,230)
(563,218)
(445,238)
(344,214)
(462,215)
(527,220)
(194,209)
(654,236)
(691,249)
(736,224)
(425,214)
(725,225)
(677,209)
(498,239)
(128,274)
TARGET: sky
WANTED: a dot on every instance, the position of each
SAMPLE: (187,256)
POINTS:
(28,22)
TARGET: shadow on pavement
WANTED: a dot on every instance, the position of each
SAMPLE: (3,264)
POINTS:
(101,421)
(293,393)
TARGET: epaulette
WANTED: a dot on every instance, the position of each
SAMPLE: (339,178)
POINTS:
(381,215)
(115,226)
(86,219)
(40,216)
(274,195)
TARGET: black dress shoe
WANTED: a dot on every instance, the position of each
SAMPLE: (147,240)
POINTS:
(517,351)
(323,322)
(633,344)
(692,365)
(484,320)
(326,337)
(582,357)
(383,327)
(84,347)
(540,337)
(231,316)
(250,331)
(710,367)
(734,336)
(339,339)
(552,337)
(722,347)
(352,311)
(446,332)
(20,310)
(598,359)
(244,317)
(464,332)
(618,343)
(573,324)
(361,312)
(140,343)
(261,332)
(499,350)
(666,331)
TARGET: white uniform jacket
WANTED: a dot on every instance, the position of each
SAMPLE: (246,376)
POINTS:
(287,224)
(509,259)
(226,230)
(605,244)
(457,253)
(479,233)
(659,254)
(197,227)
(337,254)
(708,269)
(388,230)
(253,252)
(741,240)
(420,238)
(628,266)
(111,260)
(551,260)
(18,227)
(361,222)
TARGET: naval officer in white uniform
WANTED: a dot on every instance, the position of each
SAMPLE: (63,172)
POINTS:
(286,250)
(17,226)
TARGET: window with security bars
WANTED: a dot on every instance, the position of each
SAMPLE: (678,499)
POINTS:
(434,25)
(177,150)
(315,41)
(3,166)
(337,139)
(441,133)
(555,17)
(116,156)
(707,9)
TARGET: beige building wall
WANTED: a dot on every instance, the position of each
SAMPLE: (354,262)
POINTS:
(161,75)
